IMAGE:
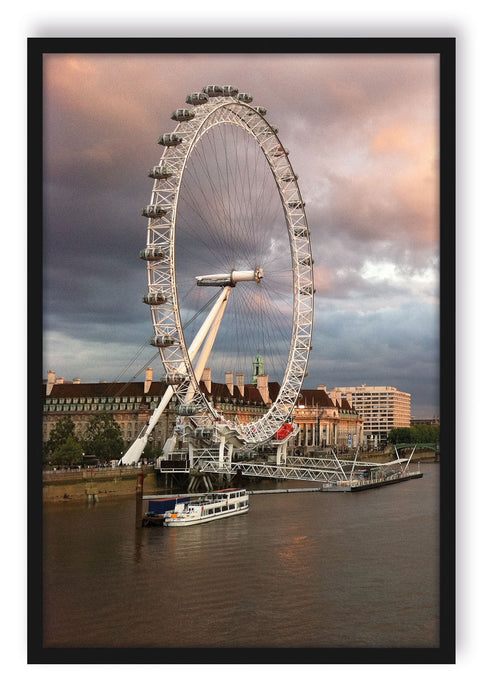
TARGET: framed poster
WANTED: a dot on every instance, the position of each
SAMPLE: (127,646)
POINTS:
(366,131)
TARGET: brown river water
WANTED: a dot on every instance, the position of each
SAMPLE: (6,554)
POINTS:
(303,570)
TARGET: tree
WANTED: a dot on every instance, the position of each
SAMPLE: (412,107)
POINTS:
(425,433)
(63,429)
(398,435)
(69,452)
(151,452)
(415,435)
(103,438)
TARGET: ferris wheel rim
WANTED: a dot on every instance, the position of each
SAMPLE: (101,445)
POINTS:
(179,148)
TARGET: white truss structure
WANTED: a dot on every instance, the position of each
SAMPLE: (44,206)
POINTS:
(327,471)
(212,109)
(334,471)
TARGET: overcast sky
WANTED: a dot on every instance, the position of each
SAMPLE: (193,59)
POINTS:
(362,131)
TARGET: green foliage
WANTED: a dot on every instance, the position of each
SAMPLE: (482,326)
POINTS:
(69,452)
(151,452)
(416,434)
(397,435)
(62,447)
(103,438)
(61,431)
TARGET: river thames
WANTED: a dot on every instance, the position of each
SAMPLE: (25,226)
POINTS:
(306,570)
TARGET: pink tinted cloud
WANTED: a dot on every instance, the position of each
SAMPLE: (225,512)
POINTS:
(392,191)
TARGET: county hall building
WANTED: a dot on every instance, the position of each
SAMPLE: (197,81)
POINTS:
(324,421)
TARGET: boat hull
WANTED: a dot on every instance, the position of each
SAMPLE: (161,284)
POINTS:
(186,522)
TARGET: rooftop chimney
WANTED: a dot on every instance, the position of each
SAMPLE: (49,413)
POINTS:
(239,378)
(50,382)
(322,387)
(262,385)
(229,381)
(206,378)
(148,379)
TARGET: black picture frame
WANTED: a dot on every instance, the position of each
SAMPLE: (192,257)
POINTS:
(445,653)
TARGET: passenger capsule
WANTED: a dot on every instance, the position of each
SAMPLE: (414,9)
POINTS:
(213,90)
(230,90)
(154,298)
(295,204)
(186,410)
(245,97)
(154,211)
(173,378)
(203,432)
(159,172)
(169,139)
(162,341)
(152,253)
(301,231)
(196,98)
(182,115)
(260,110)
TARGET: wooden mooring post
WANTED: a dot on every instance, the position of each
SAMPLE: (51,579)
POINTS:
(139,500)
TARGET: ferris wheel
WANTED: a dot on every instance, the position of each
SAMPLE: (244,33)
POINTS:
(229,264)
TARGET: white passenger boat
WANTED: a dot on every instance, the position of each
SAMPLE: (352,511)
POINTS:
(210,506)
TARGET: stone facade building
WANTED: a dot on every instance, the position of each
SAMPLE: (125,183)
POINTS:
(132,403)
(324,421)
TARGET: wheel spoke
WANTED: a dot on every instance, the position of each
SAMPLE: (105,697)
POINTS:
(232,203)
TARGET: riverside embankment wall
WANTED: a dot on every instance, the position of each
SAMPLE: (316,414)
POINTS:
(76,484)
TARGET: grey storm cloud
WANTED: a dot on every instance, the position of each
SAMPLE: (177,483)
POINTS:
(362,137)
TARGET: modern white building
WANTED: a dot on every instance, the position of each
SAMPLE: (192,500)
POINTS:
(382,407)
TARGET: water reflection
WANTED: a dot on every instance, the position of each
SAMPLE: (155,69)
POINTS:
(298,570)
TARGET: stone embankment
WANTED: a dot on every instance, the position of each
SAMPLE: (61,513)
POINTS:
(79,484)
